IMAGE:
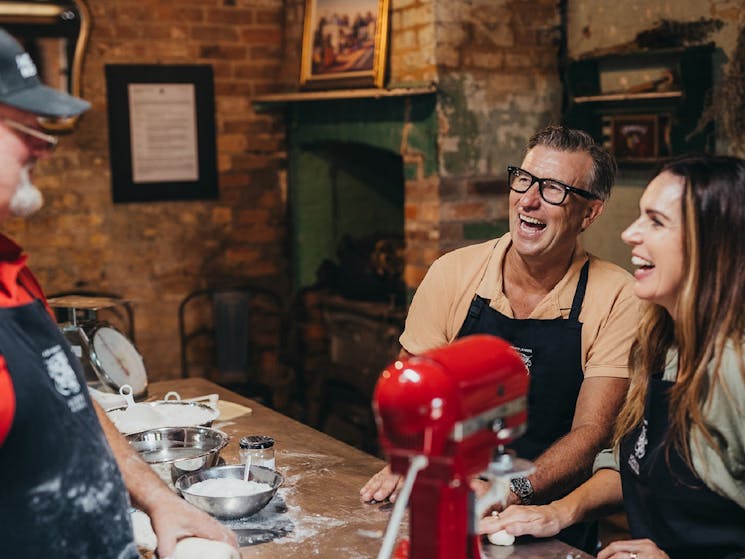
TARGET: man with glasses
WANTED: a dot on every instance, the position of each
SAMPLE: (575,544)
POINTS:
(570,315)
(66,470)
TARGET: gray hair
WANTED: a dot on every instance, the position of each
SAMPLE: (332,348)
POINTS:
(562,138)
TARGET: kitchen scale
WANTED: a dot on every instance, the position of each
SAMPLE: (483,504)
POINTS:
(110,360)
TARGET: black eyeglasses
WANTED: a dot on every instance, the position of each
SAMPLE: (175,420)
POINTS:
(552,191)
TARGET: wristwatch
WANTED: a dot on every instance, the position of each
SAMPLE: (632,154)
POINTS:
(522,487)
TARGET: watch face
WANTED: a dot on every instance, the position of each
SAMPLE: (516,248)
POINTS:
(118,360)
(522,487)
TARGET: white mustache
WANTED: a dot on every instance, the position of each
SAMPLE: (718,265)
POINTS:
(27,199)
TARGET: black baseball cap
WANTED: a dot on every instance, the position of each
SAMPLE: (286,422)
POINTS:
(20,86)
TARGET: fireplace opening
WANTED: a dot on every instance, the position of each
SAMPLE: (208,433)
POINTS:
(348,228)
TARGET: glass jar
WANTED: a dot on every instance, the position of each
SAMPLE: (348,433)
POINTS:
(261,450)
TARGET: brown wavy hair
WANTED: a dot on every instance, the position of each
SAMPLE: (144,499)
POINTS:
(710,306)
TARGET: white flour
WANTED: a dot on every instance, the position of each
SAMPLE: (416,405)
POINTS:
(228,487)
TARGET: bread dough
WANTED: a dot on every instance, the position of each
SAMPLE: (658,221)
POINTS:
(145,538)
(199,548)
(501,538)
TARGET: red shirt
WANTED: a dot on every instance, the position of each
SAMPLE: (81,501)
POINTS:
(18,287)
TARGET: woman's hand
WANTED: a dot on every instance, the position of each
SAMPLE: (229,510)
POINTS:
(541,521)
(632,549)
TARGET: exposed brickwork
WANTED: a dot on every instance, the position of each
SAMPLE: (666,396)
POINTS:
(156,253)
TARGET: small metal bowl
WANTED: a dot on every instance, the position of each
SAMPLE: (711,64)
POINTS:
(175,451)
(231,507)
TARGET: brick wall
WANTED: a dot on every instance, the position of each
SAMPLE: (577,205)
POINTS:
(495,64)
(156,253)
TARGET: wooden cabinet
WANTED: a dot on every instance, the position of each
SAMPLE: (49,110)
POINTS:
(643,106)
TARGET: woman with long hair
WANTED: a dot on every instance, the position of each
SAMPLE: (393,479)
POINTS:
(678,462)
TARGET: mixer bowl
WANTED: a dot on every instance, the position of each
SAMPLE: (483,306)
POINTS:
(235,506)
(175,451)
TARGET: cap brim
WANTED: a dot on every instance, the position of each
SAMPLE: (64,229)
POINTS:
(47,102)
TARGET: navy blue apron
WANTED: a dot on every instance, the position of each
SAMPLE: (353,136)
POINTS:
(668,502)
(62,494)
(552,351)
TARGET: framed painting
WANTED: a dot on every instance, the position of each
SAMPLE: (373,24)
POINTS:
(161,132)
(344,44)
(635,137)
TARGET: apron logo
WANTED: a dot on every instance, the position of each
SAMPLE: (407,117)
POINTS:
(63,376)
(526,354)
(640,449)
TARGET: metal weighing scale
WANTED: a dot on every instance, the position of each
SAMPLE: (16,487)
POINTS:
(110,360)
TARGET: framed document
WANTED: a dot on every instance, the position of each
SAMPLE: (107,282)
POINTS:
(161,132)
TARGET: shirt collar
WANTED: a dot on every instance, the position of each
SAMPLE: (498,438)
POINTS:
(558,299)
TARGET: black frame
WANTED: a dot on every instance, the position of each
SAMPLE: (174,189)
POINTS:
(123,187)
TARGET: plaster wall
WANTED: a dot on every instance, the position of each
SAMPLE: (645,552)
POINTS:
(592,26)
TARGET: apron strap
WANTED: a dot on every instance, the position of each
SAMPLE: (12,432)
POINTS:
(579,294)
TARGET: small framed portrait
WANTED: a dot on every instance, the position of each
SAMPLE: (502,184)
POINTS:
(635,137)
(344,44)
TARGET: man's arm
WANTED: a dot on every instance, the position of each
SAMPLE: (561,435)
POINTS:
(171,516)
(568,462)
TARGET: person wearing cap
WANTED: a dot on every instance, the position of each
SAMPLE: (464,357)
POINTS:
(68,474)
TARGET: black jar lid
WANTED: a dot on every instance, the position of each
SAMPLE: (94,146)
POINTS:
(256,441)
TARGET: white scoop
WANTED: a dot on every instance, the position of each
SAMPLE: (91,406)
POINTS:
(140,414)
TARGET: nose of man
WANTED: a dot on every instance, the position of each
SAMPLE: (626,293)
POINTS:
(531,198)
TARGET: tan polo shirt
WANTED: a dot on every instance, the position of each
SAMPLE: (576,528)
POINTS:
(610,311)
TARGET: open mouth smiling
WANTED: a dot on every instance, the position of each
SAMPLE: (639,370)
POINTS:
(531,223)
(641,263)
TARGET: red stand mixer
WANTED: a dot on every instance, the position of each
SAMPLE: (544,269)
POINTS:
(441,416)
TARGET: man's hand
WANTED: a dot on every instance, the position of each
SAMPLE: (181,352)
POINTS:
(383,485)
(174,519)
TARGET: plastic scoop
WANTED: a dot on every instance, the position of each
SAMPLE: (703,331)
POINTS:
(139,416)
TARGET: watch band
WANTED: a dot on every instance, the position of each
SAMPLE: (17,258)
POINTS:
(523,489)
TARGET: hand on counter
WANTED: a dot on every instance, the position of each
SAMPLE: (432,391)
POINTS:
(518,520)
(383,485)
(641,549)
(174,519)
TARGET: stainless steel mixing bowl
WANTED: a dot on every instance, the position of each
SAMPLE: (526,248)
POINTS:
(231,507)
(175,451)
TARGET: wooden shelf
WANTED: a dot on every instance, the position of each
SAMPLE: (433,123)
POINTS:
(326,95)
(628,96)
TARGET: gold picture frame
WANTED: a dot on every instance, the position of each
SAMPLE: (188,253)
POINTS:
(344,44)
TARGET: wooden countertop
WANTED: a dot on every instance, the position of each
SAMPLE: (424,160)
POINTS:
(321,489)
